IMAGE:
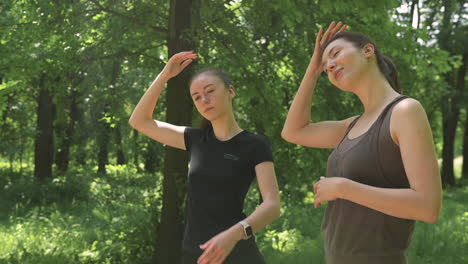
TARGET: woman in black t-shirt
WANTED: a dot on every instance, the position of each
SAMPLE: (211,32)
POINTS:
(224,159)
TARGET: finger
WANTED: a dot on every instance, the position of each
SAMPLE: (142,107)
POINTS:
(206,245)
(181,56)
(220,259)
(185,63)
(207,256)
(343,28)
(319,36)
(317,202)
(185,52)
(327,33)
(336,27)
(204,258)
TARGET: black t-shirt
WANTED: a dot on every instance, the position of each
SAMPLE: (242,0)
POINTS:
(219,177)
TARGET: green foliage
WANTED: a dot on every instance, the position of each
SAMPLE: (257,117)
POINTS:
(104,54)
(83,217)
(79,218)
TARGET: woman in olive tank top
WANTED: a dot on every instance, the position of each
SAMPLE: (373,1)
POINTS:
(382,174)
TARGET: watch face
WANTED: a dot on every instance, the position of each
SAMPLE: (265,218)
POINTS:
(248,231)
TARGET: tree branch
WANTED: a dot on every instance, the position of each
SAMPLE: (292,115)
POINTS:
(126,53)
(130,19)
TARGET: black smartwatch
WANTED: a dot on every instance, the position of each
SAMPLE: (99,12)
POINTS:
(247,229)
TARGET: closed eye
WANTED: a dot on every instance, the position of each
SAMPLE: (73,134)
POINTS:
(336,53)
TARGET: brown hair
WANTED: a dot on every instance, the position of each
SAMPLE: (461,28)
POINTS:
(385,64)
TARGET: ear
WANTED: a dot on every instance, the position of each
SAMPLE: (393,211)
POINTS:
(232,91)
(368,50)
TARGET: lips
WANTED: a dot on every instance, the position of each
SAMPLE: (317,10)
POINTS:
(208,109)
(338,73)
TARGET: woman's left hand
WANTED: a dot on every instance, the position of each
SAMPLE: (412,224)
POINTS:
(327,189)
(218,247)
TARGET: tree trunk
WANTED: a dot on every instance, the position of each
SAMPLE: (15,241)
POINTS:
(103,145)
(44,144)
(63,155)
(461,83)
(118,142)
(151,157)
(465,149)
(136,150)
(450,127)
(450,110)
(178,112)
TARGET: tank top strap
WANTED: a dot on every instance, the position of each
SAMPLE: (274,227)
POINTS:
(351,125)
(379,119)
(387,109)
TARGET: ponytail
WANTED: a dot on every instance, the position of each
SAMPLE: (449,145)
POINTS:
(388,68)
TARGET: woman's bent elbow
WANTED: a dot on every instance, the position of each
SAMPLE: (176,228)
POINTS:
(132,123)
(286,135)
(432,216)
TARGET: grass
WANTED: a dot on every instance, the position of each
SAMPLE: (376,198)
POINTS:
(78,218)
(82,217)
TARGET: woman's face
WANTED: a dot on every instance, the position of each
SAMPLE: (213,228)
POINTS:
(344,64)
(210,96)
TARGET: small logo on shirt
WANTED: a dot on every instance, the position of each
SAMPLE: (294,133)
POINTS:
(230,156)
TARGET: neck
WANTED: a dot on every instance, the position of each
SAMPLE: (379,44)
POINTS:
(225,127)
(374,91)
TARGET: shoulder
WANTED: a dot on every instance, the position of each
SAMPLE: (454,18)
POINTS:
(408,109)
(194,136)
(254,138)
(408,117)
(190,131)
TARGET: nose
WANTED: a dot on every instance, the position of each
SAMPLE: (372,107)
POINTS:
(330,66)
(205,99)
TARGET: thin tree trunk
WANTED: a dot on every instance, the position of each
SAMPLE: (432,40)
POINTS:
(118,142)
(63,157)
(44,144)
(462,86)
(178,112)
(135,150)
(103,145)
(465,148)
(151,157)
(450,109)
(449,126)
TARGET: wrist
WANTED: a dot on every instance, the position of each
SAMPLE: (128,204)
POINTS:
(163,76)
(237,232)
(313,72)
(343,188)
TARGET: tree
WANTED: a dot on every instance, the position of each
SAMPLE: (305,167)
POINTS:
(178,112)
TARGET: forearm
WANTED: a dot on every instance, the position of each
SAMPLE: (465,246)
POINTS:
(145,107)
(263,215)
(299,112)
(402,203)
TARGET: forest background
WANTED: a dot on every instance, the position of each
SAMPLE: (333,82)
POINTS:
(78,185)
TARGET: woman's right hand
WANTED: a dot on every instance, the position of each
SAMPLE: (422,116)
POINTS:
(316,60)
(177,63)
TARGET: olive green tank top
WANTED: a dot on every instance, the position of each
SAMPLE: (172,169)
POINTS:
(354,233)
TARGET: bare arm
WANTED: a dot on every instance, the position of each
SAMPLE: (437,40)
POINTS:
(142,116)
(217,248)
(269,209)
(422,201)
(297,128)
